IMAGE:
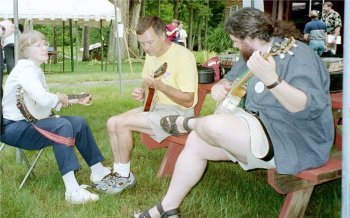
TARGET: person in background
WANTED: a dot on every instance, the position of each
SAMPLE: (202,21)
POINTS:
(182,35)
(171,31)
(175,93)
(334,24)
(22,134)
(315,32)
(287,97)
(8,45)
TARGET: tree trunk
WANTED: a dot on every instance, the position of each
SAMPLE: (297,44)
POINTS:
(143,13)
(199,36)
(206,34)
(159,2)
(135,7)
(123,6)
(86,43)
(55,44)
(176,9)
(190,41)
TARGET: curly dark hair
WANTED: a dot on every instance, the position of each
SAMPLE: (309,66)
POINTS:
(255,24)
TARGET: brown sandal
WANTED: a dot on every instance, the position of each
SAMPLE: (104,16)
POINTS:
(163,214)
(168,124)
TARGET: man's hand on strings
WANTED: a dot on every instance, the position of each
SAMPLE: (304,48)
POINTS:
(265,70)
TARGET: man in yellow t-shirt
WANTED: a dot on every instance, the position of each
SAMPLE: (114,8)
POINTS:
(175,94)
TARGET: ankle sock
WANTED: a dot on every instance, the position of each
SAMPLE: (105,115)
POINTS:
(99,170)
(122,169)
(70,181)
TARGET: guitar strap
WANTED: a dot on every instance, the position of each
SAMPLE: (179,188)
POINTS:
(68,141)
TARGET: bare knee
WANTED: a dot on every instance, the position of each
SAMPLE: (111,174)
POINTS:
(193,144)
(113,123)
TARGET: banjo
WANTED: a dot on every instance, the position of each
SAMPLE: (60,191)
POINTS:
(33,111)
(239,85)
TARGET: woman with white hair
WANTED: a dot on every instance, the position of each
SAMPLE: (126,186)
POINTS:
(20,133)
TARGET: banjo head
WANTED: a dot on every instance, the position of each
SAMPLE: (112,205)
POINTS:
(30,109)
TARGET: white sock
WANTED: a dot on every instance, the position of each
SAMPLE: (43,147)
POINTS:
(99,169)
(122,169)
(70,181)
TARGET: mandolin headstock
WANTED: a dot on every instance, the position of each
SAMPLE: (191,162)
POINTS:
(161,70)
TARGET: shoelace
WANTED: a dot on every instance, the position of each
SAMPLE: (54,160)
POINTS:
(112,178)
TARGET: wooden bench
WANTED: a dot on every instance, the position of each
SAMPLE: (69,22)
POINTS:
(337,104)
(298,188)
(175,144)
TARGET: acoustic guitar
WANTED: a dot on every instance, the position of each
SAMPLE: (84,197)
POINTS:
(149,99)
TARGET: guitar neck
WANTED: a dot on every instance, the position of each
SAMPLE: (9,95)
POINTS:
(238,84)
(77,96)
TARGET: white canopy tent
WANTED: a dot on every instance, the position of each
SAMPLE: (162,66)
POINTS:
(85,12)
(51,12)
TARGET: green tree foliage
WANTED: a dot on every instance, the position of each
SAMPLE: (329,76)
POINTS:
(219,40)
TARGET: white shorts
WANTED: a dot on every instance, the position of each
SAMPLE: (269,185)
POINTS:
(258,142)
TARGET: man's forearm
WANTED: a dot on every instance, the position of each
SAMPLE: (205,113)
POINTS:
(184,99)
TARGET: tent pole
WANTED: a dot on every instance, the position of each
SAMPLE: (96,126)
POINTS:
(63,29)
(15,16)
(71,45)
(118,48)
(346,116)
(76,45)
(102,44)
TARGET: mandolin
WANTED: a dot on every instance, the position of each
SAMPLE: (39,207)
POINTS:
(149,99)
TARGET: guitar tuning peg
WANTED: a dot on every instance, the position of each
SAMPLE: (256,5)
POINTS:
(281,55)
(290,52)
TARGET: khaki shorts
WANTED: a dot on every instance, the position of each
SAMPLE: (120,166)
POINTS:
(160,111)
(258,143)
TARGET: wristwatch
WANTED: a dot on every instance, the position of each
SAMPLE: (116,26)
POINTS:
(273,85)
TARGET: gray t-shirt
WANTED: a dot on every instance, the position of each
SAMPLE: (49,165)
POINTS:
(301,140)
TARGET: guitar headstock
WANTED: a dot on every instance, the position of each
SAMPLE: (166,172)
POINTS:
(280,48)
(161,70)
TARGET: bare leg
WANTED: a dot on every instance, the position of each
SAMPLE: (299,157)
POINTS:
(215,135)
(120,130)
(229,132)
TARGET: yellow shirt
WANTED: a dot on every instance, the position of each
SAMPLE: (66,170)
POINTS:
(181,72)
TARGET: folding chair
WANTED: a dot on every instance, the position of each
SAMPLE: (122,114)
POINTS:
(30,166)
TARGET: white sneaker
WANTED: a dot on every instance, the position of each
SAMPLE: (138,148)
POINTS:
(96,178)
(80,196)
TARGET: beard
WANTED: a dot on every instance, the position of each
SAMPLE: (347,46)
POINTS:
(246,52)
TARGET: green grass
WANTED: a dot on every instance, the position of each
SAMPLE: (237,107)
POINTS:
(225,190)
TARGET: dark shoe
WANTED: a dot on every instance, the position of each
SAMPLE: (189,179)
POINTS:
(168,124)
(163,214)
